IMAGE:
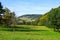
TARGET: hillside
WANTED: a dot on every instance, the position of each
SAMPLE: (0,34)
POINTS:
(51,19)
(29,17)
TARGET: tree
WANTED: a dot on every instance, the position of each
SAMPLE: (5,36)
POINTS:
(51,19)
(5,17)
(1,13)
(54,18)
(9,18)
(43,20)
(12,19)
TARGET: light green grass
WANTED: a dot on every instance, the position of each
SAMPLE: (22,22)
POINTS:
(18,35)
(34,27)
(44,33)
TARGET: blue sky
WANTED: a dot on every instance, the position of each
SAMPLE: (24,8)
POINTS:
(21,7)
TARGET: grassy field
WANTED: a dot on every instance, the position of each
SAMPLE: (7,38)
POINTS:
(33,33)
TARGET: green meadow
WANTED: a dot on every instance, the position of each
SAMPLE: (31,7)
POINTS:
(25,32)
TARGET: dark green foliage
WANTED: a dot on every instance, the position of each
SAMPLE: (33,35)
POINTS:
(54,18)
(51,19)
(1,12)
(7,18)
(1,7)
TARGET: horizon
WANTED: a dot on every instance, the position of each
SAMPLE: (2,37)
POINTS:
(23,7)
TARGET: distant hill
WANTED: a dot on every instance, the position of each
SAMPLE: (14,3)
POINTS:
(31,15)
(28,18)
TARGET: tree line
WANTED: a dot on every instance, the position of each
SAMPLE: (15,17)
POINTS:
(7,18)
(51,19)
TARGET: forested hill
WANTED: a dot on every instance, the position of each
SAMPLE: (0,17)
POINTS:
(51,19)
(31,15)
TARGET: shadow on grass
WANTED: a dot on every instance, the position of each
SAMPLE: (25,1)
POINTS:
(30,30)
(22,29)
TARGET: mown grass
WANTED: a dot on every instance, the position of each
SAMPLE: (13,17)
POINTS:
(41,33)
